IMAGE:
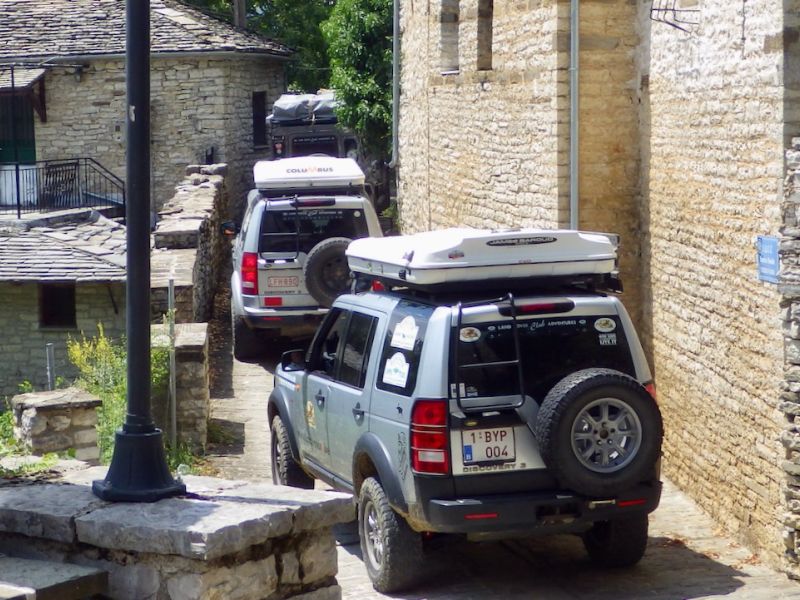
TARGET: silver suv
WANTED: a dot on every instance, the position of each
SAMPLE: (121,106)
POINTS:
(289,261)
(489,413)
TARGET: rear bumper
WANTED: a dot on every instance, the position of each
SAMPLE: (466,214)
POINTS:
(535,513)
(290,322)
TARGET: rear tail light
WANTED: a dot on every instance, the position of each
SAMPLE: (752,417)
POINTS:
(430,452)
(313,202)
(377,286)
(651,389)
(535,308)
(250,273)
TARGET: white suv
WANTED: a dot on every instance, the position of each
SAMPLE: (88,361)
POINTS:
(289,261)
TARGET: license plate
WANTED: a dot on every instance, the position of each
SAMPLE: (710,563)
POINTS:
(488,445)
(283,282)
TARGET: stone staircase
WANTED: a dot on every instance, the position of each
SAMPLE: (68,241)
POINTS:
(24,579)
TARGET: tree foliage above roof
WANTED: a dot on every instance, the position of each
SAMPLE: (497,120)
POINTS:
(295,23)
(359,36)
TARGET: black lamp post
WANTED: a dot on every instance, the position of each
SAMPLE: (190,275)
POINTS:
(138,470)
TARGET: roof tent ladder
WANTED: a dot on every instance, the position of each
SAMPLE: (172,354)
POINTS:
(517,361)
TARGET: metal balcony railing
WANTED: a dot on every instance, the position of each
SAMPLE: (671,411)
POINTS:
(51,185)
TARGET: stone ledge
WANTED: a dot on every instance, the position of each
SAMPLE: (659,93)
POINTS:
(65,398)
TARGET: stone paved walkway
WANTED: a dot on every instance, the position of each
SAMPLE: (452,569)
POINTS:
(685,557)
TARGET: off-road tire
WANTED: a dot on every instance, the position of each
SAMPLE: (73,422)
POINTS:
(326,272)
(285,471)
(246,344)
(558,443)
(399,564)
(618,543)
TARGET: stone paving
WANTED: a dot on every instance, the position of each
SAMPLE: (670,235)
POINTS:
(686,557)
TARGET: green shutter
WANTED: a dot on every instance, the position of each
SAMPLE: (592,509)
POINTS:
(21,129)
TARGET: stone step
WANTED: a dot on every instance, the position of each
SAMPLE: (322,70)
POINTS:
(25,579)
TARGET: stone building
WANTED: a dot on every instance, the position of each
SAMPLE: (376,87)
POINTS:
(684,118)
(211,88)
(57,279)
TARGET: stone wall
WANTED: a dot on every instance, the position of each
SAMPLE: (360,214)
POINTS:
(790,396)
(225,539)
(197,104)
(23,347)
(712,146)
(58,421)
(193,397)
(490,148)
(189,244)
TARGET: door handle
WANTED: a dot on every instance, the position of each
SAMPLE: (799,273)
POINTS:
(320,398)
(357,412)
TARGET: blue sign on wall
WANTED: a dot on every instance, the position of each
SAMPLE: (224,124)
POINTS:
(769,263)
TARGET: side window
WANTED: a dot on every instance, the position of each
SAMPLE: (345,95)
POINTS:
(402,348)
(325,352)
(355,353)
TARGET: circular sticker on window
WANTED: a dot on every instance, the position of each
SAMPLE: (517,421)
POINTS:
(605,325)
(469,334)
(357,213)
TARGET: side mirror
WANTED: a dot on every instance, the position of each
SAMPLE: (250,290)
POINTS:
(293,360)
(229,228)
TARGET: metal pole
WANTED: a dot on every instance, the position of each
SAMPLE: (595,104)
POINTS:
(138,471)
(173,394)
(574,116)
(15,142)
(51,369)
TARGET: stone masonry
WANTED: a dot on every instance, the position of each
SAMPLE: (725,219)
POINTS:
(57,421)
(224,539)
(189,244)
(199,105)
(25,341)
(681,152)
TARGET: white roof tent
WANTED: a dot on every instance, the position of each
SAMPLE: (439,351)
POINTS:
(307,173)
(472,257)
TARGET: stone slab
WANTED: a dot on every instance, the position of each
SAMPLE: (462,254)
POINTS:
(217,517)
(67,397)
(314,509)
(53,580)
(45,511)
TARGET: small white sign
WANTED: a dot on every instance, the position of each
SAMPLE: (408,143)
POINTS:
(396,370)
(405,334)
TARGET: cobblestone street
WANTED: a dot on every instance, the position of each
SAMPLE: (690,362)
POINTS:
(686,557)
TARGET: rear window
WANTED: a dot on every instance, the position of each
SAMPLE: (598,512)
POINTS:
(283,230)
(550,349)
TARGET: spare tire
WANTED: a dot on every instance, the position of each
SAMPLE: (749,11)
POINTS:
(326,272)
(599,431)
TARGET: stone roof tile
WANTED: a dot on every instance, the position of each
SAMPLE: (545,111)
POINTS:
(71,252)
(32,29)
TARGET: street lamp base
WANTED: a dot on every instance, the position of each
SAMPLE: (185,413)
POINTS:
(138,470)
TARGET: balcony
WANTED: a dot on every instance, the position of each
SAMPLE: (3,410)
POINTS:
(56,185)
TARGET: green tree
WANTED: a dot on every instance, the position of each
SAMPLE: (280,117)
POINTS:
(359,36)
(295,23)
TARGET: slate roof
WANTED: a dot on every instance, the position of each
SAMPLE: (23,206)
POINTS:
(91,249)
(33,29)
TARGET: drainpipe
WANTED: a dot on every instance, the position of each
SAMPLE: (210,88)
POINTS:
(395,79)
(574,97)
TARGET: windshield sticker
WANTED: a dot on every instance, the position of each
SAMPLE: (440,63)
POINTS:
(605,325)
(469,334)
(405,334)
(357,213)
(461,388)
(396,370)
(608,339)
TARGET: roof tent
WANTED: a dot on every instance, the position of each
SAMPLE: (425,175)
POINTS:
(474,255)
(304,172)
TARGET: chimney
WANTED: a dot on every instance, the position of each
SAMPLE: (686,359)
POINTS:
(240,13)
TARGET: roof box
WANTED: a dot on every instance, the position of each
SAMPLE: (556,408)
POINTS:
(307,172)
(465,255)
